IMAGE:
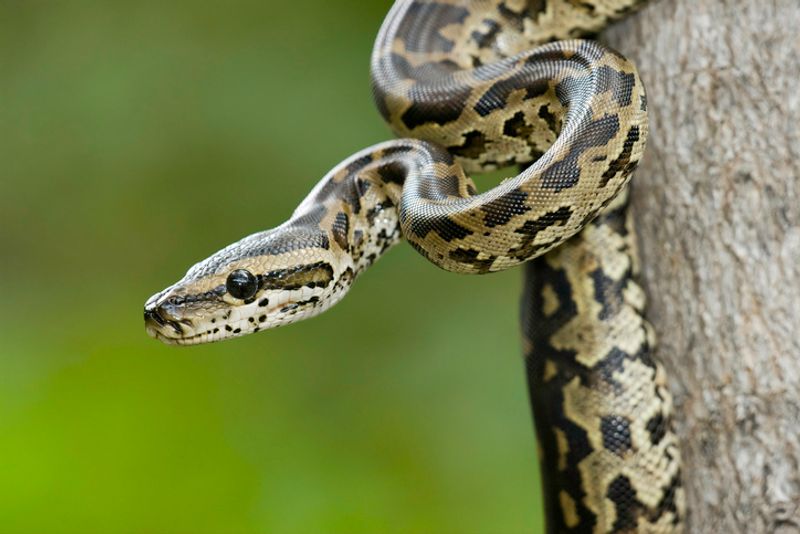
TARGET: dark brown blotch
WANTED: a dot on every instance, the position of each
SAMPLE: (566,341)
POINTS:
(484,38)
(341,229)
(448,229)
(474,145)
(616,431)
(318,274)
(657,426)
(393,172)
(622,164)
(517,126)
(622,493)
(608,292)
(435,105)
(565,172)
(499,211)
(530,230)
(470,257)
(496,97)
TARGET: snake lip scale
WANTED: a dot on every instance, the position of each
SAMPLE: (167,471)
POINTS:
(468,86)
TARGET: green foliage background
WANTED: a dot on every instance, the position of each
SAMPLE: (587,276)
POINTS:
(137,138)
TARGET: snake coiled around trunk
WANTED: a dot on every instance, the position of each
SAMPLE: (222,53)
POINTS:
(470,86)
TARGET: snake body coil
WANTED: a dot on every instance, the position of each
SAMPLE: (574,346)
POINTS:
(467,88)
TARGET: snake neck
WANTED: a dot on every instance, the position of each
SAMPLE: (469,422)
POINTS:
(355,208)
(471,33)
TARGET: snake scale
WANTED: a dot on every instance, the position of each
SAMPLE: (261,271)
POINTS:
(469,86)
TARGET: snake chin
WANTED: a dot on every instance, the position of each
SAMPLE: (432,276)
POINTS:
(181,341)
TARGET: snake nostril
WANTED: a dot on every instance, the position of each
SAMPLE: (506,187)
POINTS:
(154,315)
(151,314)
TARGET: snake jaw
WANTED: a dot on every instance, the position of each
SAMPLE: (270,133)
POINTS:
(164,326)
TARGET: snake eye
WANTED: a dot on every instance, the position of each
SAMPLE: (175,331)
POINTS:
(241,284)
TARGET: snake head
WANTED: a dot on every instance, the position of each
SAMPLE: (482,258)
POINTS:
(265,280)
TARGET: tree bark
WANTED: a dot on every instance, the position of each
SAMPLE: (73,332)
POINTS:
(717,204)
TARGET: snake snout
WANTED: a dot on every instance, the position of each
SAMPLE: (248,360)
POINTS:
(152,315)
(155,319)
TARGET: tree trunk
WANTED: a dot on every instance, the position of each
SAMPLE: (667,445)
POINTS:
(717,204)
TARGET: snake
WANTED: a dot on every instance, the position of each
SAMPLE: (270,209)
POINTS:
(469,86)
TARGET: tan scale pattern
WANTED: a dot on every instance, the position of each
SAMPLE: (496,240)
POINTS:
(606,374)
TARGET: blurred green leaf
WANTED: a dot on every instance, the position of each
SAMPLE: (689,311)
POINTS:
(137,138)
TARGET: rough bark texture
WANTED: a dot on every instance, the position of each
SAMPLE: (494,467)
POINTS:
(718,205)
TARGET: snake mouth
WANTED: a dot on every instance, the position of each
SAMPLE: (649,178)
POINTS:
(182,340)
(178,341)
(155,321)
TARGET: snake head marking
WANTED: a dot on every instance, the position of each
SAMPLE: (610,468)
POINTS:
(263,281)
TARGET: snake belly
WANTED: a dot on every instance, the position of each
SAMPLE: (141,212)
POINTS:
(469,86)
